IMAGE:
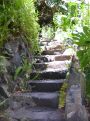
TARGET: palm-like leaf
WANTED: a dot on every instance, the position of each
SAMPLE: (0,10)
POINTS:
(83,41)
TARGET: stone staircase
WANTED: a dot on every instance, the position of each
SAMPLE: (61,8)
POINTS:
(42,103)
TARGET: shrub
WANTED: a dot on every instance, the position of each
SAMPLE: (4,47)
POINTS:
(83,41)
(18,17)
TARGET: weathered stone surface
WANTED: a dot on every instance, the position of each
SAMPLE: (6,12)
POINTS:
(50,58)
(62,58)
(51,52)
(20,100)
(38,98)
(41,59)
(79,115)
(15,105)
(69,51)
(46,85)
(59,65)
(15,51)
(54,70)
(49,74)
(75,111)
(76,77)
(37,115)
(40,66)
(3,118)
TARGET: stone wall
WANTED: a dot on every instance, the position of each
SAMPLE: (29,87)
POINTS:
(75,111)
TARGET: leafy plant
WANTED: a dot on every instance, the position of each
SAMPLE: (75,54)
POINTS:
(19,18)
(83,41)
(47,32)
(3,64)
(63,95)
(24,69)
(22,74)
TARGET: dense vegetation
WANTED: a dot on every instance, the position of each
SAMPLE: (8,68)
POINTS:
(72,20)
(18,18)
(19,32)
(82,39)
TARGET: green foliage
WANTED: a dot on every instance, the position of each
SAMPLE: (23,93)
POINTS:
(73,9)
(69,19)
(3,64)
(17,72)
(65,22)
(19,18)
(48,32)
(85,15)
(4,105)
(22,74)
(83,41)
(63,95)
(24,70)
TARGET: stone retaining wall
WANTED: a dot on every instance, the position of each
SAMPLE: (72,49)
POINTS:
(75,111)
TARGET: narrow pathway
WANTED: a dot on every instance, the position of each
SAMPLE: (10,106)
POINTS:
(42,103)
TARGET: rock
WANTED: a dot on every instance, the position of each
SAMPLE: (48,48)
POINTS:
(51,70)
(51,52)
(3,93)
(14,105)
(15,51)
(40,66)
(79,114)
(62,58)
(10,119)
(16,60)
(42,99)
(18,49)
(3,118)
(75,111)
(57,65)
(49,74)
(69,51)
(50,58)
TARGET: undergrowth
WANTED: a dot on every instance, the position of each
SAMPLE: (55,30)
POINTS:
(18,17)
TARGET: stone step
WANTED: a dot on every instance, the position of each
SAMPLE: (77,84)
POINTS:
(40,66)
(52,52)
(42,99)
(52,65)
(36,114)
(53,45)
(49,58)
(46,85)
(54,70)
(49,74)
